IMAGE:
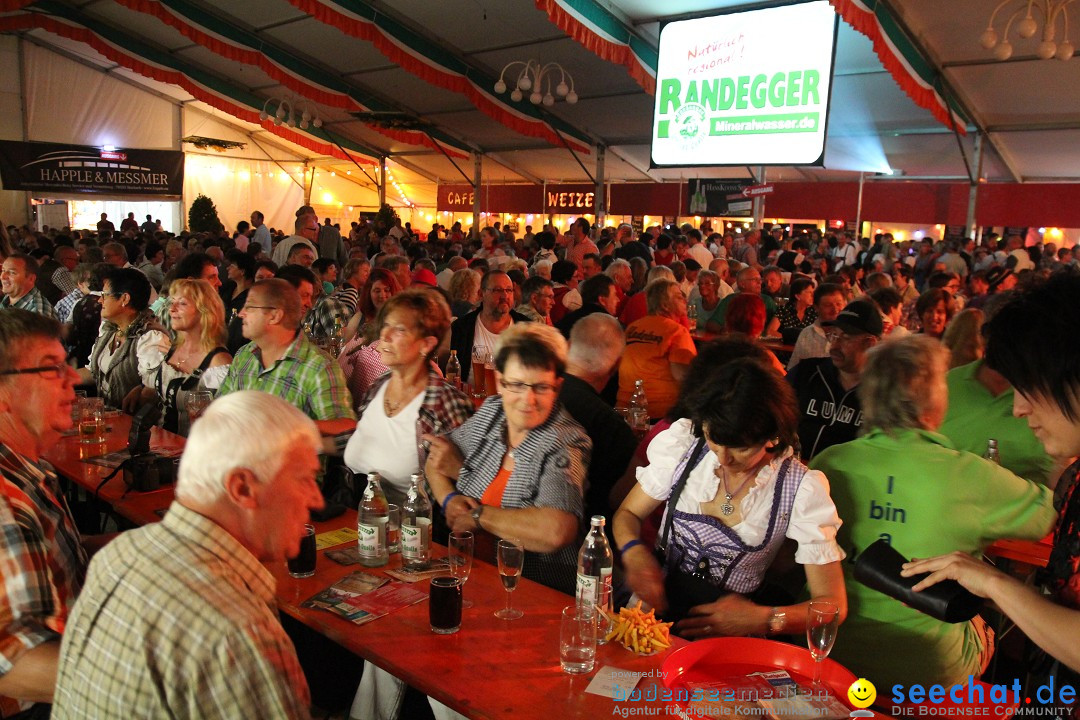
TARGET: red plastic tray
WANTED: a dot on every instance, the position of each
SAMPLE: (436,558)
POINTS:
(721,658)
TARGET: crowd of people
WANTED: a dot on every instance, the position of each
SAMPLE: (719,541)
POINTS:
(806,396)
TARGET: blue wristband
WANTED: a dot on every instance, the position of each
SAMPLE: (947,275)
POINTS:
(628,545)
(450,496)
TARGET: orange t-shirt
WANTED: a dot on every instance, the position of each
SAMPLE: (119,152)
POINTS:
(493,495)
(652,344)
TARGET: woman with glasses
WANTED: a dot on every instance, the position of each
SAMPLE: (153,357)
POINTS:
(114,364)
(412,399)
(517,467)
(196,361)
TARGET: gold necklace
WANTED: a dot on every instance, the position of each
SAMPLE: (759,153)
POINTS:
(391,408)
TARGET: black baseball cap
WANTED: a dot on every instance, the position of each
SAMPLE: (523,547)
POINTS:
(860,316)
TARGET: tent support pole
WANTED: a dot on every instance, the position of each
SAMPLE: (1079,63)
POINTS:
(382,181)
(973,192)
(599,200)
(478,167)
(759,200)
(858,208)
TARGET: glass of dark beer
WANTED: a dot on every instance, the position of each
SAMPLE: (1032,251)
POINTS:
(445,605)
(303,565)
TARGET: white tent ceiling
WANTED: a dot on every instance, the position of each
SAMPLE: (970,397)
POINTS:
(1024,106)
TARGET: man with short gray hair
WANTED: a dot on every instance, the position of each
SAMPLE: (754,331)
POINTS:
(281,360)
(305,232)
(596,345)
(178,618)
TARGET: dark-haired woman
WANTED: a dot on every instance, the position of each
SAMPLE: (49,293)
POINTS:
(935,308)
(734,492)
(799,311)
(114,363)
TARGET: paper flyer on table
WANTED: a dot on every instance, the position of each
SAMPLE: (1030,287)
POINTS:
(361,597)
(335,537)
(437,567)
(609,677)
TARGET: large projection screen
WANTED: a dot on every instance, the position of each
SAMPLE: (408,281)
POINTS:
(745,88)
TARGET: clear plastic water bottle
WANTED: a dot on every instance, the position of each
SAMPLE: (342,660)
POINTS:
(691,315)
(371,525)
(991,453)
(416,526)
(453,369)
(594,575)
(639,410)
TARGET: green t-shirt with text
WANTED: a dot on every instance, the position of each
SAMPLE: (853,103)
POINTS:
(926,498)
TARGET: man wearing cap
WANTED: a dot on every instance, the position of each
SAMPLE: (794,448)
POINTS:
(422,277)
(830,413)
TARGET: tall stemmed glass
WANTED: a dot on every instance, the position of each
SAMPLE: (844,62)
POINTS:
(461,557)
(511,558)
(822,621)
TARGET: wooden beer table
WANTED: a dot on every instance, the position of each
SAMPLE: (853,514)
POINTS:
(69,454)
(490,668)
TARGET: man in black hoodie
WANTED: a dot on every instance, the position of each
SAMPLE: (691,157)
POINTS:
(830,413)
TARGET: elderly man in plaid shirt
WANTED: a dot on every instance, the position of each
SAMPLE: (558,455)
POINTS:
(281,360)
(42,560)
(178,619)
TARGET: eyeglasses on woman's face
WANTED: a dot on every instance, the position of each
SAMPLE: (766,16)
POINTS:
(518,388)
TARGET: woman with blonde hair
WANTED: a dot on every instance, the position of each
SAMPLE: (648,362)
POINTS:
(963,337)
(464,291)
(196,360)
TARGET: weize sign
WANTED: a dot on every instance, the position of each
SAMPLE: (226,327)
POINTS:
(569,199)
(50,167)
(745,88)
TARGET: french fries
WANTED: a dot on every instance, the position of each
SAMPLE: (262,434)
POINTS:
(639,631)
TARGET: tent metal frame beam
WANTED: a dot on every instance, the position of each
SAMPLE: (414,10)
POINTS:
(951,93)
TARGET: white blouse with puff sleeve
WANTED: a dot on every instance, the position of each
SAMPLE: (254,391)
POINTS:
(813,522)
(151,351)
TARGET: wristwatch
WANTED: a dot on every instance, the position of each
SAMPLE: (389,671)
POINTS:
(777,621)
(475,514)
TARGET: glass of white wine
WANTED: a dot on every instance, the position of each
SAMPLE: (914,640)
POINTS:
(511,557)
(822,621)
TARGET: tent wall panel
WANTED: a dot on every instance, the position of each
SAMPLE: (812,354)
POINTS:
(1055,205)
(13,209)
(70,103)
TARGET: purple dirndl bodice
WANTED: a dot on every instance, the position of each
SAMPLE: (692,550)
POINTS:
(702,546)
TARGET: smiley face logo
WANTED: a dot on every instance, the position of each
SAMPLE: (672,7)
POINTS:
(862,693)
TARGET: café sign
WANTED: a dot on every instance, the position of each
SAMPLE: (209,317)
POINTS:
(61,168)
